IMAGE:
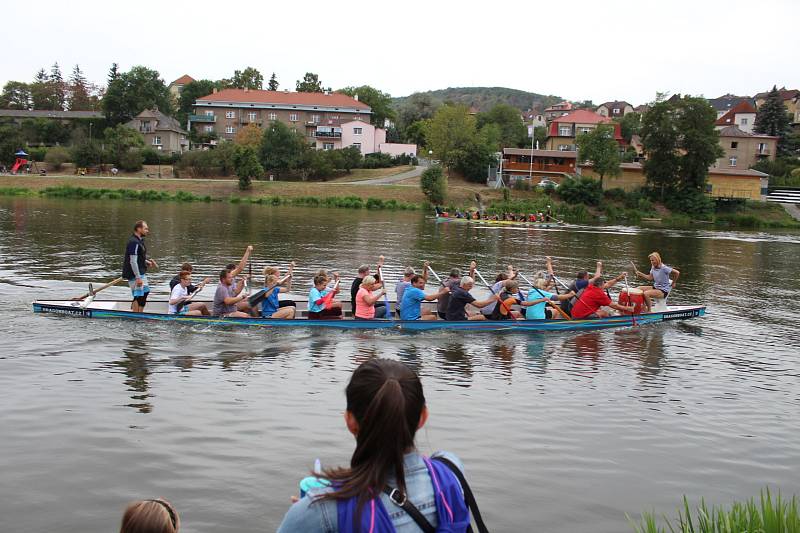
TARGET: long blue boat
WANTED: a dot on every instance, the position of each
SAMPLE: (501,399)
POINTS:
(120,309)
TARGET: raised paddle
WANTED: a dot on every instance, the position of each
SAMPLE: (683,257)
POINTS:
(552,304)
(189,299)
(388,311)
(327,300)
(628,289)
(93,292)
(435,275)
(261,294)
(508,310)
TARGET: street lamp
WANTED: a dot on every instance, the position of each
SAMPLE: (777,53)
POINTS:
(430,157)
(90,138)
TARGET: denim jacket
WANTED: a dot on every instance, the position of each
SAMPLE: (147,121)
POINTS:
(321,517)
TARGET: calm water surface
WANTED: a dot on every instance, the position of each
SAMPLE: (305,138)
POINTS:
(558,432)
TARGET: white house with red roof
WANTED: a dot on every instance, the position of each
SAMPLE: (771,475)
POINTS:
(563,131)
(176,86)
(742,115)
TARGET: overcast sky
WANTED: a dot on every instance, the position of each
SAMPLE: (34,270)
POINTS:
(581,49)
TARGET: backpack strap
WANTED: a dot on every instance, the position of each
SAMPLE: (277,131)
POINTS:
(400,500)
(468,495)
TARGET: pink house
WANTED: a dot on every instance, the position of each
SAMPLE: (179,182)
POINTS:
(362,134)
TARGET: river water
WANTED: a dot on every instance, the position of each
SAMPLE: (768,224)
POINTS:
(558,432)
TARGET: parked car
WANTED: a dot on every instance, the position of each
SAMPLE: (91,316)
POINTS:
(547,183)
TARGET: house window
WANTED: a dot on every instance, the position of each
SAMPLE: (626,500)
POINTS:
(230,114)
(563,147)
(744,121)
(230,129)
(734,144)
(733,160)
(145,127)
(209,129)
(157,140)
(327,146)
(585,130)
(615,111)
(564,131)
(357,131)
(209,113)
(315,119)
(357,117)
(293,117)
(273,116)
(762,148)
(357,145)
(252,116)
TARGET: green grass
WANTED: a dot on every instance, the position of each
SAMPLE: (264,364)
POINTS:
(768,514)
(16,191)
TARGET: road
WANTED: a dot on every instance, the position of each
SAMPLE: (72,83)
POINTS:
(389,180)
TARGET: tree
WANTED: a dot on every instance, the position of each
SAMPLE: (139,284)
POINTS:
(600,147)
(630,125)
(351,158)
(121,139)
(16,95)
(273,83)
(452,130)
(134,91)
(87,153)
(10,142)
(512,131)
(249,78)
(113,73)
(698,141)
(40,91)
(250,136)
(189,94)
(58,89)
(539,136)
(246,166)
(773,118)
(56,157)
(310,84)
(282,149)
(416,132)
(379,102)
(479,155)
(434,184)
(79,92)
(660,141)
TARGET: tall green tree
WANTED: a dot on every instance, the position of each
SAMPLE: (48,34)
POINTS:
(698,140)
(10,141)
(433,183)
(121,139)
(134,91)
(660,139)
(773,118)
(16,95)
(630,125)
(378,101)
(601,149)
(80,98)
(273,83)
(310,84)
(283,150)
(113,72)
(58,89)
(189,94)
(450,133)
(246,166)
(40,91)
(513,133)
(249,78)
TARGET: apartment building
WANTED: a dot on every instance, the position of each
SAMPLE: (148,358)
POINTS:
(320,117)
(742,115)
(791,99)
(743,149)
(563,131)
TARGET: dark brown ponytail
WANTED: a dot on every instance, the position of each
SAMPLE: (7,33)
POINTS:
(386,399)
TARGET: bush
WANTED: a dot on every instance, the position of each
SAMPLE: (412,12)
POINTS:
(377,160)
(131,160)
(200,163)
(434,184)
(56,157)
(37,154)
(690,202)
(581,191)
(87,153)
(616,194)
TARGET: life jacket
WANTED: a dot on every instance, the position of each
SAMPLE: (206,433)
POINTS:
(451,509)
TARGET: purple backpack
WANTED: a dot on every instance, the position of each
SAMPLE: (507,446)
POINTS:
(451,508)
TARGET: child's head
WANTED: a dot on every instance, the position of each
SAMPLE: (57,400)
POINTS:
(272,279)
(320,280)
(150,516)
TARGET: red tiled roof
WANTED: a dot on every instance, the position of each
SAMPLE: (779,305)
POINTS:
(582,116)
(284,98)
(786,94)
(728,118)
(183,80)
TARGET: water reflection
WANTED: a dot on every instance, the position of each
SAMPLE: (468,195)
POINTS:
(136,366)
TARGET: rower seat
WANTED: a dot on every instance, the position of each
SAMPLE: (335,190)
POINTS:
(660,304)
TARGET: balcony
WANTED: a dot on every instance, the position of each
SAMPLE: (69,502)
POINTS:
(328,134)
(202,118)
(245,119)
(763,151)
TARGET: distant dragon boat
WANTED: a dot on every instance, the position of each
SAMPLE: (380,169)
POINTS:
(487,222)
(157,311)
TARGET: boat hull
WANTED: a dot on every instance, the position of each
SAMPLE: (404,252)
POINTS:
(99,310)
(501,223)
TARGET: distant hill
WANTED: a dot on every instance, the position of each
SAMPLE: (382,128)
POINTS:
(484,98)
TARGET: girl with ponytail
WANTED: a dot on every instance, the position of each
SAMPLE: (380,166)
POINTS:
(389,486)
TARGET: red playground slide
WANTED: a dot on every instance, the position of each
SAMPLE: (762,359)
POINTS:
(19,162)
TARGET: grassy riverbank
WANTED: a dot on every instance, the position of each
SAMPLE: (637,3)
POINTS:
(460,194)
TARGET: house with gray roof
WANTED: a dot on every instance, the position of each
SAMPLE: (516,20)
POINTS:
(161,132)
(726,102)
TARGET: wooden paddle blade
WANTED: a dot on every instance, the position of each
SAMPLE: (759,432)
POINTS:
(257,297)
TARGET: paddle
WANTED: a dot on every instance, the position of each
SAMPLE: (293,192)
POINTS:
(327,300)
(508,310)
(188,300)
(552,304)
(261,294)
(93,292)
(389,313)
(628,289)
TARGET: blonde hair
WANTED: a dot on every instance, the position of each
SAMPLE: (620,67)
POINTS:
(272,279)
(541,283)
(657,256)
(270,270)
(150,516)
(368,280)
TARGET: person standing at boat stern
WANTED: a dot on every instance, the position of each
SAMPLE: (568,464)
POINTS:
(135,264)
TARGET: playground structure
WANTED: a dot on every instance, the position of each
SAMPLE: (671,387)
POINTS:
(21,164)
